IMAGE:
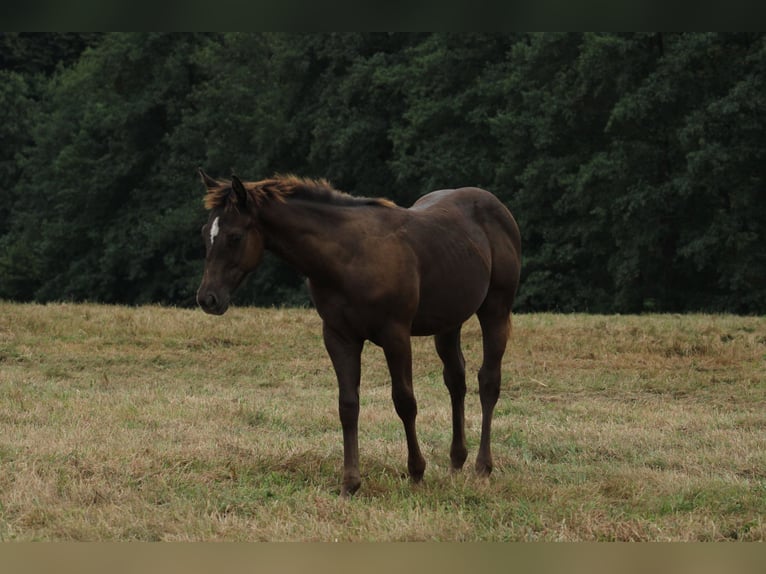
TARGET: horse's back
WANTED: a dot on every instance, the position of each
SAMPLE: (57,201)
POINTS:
(474,203)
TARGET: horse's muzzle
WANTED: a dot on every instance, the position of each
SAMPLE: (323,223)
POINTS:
(211,303)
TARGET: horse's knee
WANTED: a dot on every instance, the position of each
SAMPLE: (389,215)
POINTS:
(489,384)
(405,404)
(348,409)
(454,380)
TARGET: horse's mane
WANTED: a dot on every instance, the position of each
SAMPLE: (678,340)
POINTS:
(282,187)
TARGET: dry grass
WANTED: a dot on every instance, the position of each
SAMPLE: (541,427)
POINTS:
(165,424)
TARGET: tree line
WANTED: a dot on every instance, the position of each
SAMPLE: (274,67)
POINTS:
(634,163)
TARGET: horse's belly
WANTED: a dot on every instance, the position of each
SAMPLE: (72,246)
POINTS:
(448,304)
(428,324)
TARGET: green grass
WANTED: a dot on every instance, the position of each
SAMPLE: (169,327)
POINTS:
(165,424)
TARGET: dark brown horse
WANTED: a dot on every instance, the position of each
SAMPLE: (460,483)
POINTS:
(382,273)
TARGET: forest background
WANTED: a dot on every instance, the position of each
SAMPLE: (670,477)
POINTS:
(634,162)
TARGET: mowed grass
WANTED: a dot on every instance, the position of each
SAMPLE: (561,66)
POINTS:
(163,424)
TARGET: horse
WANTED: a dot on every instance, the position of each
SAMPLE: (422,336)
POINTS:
(383,273)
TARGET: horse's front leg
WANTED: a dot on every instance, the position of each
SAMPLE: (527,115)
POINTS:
(396,346)
(346,355)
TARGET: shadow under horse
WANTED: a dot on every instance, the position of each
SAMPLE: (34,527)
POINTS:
(381,273)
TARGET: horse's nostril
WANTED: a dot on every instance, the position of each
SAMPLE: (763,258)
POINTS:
(207,301)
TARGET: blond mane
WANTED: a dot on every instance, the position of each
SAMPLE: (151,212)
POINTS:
(282,187)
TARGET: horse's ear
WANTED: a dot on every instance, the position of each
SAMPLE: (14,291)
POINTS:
(239,190)
(207,180)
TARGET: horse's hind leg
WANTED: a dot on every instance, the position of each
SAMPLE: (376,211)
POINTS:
(448,348)
(494,317)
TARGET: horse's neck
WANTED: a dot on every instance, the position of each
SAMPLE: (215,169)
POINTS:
(306,235)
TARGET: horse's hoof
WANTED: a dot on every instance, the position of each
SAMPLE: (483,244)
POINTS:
(457,459)
(416,470)
(349,487)
(483,467)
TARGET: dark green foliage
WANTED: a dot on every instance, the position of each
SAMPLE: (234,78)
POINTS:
(634,163)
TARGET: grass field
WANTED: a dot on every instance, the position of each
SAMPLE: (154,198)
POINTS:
(164,424)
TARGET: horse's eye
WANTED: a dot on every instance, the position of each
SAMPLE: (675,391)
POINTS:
(234,238)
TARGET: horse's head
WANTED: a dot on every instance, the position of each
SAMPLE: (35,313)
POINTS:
(233,241)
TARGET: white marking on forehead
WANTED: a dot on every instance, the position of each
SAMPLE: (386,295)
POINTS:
(214,231)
